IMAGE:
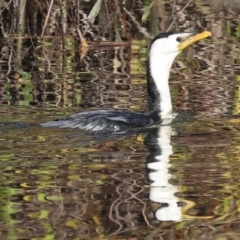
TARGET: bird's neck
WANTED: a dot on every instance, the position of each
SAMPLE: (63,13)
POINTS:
(158,72)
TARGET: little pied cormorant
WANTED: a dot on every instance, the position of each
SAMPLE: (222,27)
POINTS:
(163,50)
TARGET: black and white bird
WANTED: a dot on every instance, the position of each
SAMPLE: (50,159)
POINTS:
(164,49)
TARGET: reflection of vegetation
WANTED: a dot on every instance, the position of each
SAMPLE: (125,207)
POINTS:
(73,188)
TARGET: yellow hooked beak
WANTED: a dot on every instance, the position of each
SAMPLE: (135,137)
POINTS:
(193,39)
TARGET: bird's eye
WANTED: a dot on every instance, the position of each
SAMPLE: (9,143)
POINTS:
(179,39)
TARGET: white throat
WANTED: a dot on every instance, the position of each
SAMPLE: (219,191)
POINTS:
(160,66)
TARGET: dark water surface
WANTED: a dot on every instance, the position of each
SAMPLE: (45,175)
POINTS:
(169,182)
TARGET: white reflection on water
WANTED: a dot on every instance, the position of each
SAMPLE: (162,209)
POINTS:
(161,191)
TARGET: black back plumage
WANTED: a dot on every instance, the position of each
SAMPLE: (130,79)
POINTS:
(105,120)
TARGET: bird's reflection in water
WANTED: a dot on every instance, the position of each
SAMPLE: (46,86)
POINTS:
(158,142)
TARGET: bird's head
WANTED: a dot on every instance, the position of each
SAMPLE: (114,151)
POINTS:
(169,45)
